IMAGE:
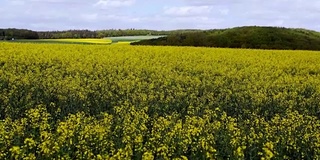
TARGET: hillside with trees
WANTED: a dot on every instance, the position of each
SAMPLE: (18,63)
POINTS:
(244,37)
(13,33)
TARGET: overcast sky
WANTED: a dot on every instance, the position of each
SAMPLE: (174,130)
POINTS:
(157,14)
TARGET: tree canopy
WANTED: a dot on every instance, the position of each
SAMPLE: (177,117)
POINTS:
(8,34)
(244,37)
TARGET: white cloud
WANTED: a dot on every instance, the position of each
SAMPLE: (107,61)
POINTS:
(17,2)
(214,2)
(114,3)
(187,11)
(90,17)
(224,11)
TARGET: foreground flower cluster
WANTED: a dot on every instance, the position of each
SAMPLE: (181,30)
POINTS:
(123,102)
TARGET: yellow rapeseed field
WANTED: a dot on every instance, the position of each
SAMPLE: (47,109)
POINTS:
(142,102)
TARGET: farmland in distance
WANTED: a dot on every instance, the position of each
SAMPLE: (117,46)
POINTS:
(101,41)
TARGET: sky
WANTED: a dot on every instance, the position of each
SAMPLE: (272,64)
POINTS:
(45,15)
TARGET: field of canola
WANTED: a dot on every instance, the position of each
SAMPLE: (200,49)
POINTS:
(66,41)
(64,101)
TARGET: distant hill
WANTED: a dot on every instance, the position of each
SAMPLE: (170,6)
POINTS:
(254,37)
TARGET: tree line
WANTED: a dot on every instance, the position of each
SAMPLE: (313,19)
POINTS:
(244,37)
(8,34)
(105,33)
(12,33)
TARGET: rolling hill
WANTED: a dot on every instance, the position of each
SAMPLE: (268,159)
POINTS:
(254,37)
